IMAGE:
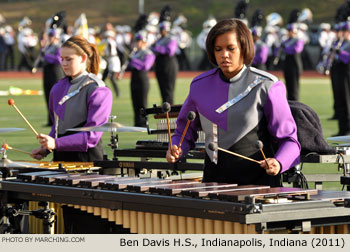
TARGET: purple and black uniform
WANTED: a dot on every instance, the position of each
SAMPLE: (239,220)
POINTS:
(52,71)
(140,64)
(166,66)
(293,66)
(82,102)
(235,114)
(261,52)
(343,81)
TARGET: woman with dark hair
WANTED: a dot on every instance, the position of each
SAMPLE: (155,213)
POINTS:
(80,99)
(236,105)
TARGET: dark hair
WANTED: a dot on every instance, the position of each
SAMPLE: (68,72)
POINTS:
(244,37)
(82,46)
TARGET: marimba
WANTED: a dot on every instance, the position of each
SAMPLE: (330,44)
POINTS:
(159,206)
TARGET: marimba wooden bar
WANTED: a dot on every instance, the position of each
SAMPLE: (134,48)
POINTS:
(165,207)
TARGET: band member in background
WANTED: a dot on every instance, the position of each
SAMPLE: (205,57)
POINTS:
(52,70)
(293,65)
(184,41)
(260,48)
(10,40)
(262,112)
(332,63)
(141,62)
(166,66)
(204,63)
(113,62)
(26,41)
(80,99)
(344,82)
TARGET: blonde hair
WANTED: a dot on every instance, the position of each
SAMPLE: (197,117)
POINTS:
(82,46)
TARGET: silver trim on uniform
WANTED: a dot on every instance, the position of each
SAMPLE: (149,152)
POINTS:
(239,97)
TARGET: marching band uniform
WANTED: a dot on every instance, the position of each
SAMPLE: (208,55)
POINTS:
(207,25)
(166,66)
(26,43)
(227,124)
(94,100)
(141,62)
(335,73)
(293,65)
(52,70)
(113,62)
(261,50)
(10,40)
(344,83)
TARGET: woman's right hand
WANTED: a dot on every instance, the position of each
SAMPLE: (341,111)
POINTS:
(38,153)
(173,154)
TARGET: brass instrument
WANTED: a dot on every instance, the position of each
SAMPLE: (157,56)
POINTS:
(331,57)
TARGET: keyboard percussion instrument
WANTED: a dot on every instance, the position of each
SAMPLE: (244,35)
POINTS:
(153,205)
(160,204)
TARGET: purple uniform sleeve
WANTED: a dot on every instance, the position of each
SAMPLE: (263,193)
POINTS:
(53,58)
(282,127)
(191,135)
(99,107)
(344,56)
(145,64)
(261,56)
(169,49)
(295,48)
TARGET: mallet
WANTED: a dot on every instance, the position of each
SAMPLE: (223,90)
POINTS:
(166,108)
(11,102)
(260,145)
(190,117)
(213,146)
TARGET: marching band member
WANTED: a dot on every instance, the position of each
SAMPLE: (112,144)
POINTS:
(184,41)
(52,70)
(10,40)
(344,82)
(141,63)
(236,105)
(79,89)
(293,65)
(166,66)
(207,25)
(332,64)
(27,41)
(113,62)
(79,99)
(260,49)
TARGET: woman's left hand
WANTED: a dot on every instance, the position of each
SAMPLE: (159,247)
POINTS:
(47,142)
(273,167)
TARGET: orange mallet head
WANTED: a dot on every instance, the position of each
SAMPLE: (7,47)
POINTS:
(11,102)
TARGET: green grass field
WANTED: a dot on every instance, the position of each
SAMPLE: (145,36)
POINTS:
(315,92)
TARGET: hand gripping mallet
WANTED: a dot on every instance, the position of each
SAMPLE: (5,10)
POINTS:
(260,145)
